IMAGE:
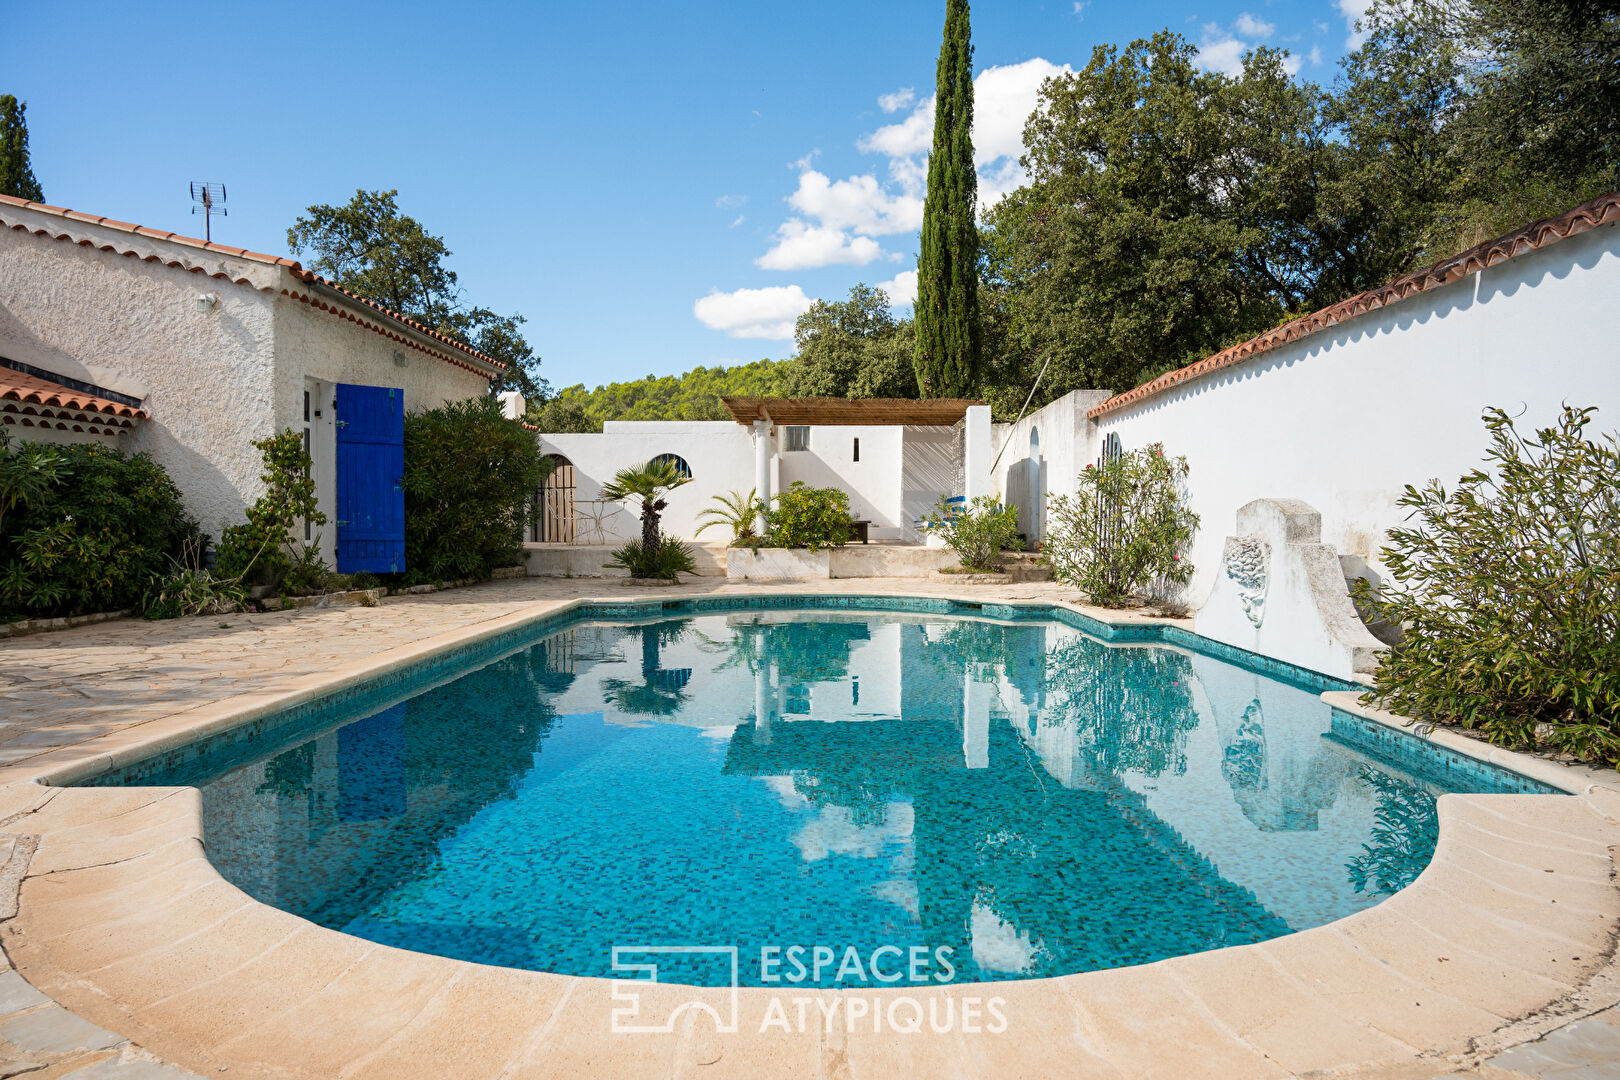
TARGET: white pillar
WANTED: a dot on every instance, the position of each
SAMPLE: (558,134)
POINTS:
(976,479)
(975,721)
(762,467)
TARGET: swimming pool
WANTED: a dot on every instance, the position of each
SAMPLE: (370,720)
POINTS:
(995,792)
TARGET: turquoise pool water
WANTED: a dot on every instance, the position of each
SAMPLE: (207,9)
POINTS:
(1008,797)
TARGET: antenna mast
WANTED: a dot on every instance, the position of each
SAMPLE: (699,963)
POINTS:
(210,200)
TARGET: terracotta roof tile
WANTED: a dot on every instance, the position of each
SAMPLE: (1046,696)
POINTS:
(1603,210)
(29,401)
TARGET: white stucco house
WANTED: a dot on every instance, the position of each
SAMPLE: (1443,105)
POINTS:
(190,351)
(894,458)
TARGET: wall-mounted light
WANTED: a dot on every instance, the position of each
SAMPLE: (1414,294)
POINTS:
(207,302)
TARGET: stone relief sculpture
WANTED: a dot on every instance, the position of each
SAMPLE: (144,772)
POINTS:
(1248,562)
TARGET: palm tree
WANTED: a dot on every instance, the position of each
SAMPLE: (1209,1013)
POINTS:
(736,511)
(648,483)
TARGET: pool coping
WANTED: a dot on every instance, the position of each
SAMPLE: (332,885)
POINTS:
(118,869)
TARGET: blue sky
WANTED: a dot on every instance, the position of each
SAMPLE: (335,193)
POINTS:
(655,186)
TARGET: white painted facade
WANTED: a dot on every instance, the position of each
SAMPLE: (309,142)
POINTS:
(894,475)
(1344,418)
(219,347)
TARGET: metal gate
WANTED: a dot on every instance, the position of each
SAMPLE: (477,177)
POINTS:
(555,514)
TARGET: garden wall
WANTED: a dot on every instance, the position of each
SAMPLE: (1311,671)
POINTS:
(1344,418)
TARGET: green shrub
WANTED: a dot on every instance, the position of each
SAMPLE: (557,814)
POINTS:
(258,552)
(470,478)
(191,589)
(666,560)
(807,517)
(978,533)
(85,528)
(1128,525)
(1507,590)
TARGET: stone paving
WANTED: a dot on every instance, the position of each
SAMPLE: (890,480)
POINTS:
(66,696)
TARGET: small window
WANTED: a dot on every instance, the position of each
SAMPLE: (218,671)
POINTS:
(679,462)
(857,449)
(795,437)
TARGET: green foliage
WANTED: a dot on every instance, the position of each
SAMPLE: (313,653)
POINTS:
(666,559)
(735,511)
(692,396)
(807,517)
(947,308)
(1508,591)
(191,589)
(978,533)
(852,349)
(86,528)
(565,413)
(368,247)
(1168,215)
(647,484)
(257,552)
(470,477)
(16,171)
(1128,525)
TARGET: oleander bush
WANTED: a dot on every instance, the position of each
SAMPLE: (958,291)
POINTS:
(978,532)
(1507,590)
(470,479)
(1127,526)
(85,528)
(807,517)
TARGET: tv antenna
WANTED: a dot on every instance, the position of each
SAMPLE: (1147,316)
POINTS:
(210,200)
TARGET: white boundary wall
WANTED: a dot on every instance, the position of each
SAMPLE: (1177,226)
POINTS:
(1343,419)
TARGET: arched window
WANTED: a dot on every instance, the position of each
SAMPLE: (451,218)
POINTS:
(554,511)
(676,460)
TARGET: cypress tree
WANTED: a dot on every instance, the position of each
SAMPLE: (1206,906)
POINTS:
(16,177)
(947,310)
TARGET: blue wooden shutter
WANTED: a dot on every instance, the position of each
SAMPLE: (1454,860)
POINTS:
(370,468)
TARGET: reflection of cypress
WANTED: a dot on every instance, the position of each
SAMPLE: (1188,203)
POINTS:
(1406,827)
(1130,705)
(290,773)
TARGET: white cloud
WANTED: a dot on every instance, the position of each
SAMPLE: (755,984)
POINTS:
(767,313)
(1003,98)
(910,136)
(1353,10)
(726,202)
(1249,26)
(1315,56)
(898,100)
(859,203)
(1222,52)
(738,220)
(1080,8)
(902,288)
(802,246)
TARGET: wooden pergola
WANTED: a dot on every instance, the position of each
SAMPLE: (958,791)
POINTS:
(848,412)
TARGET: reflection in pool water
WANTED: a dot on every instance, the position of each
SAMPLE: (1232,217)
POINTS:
(1034,800)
